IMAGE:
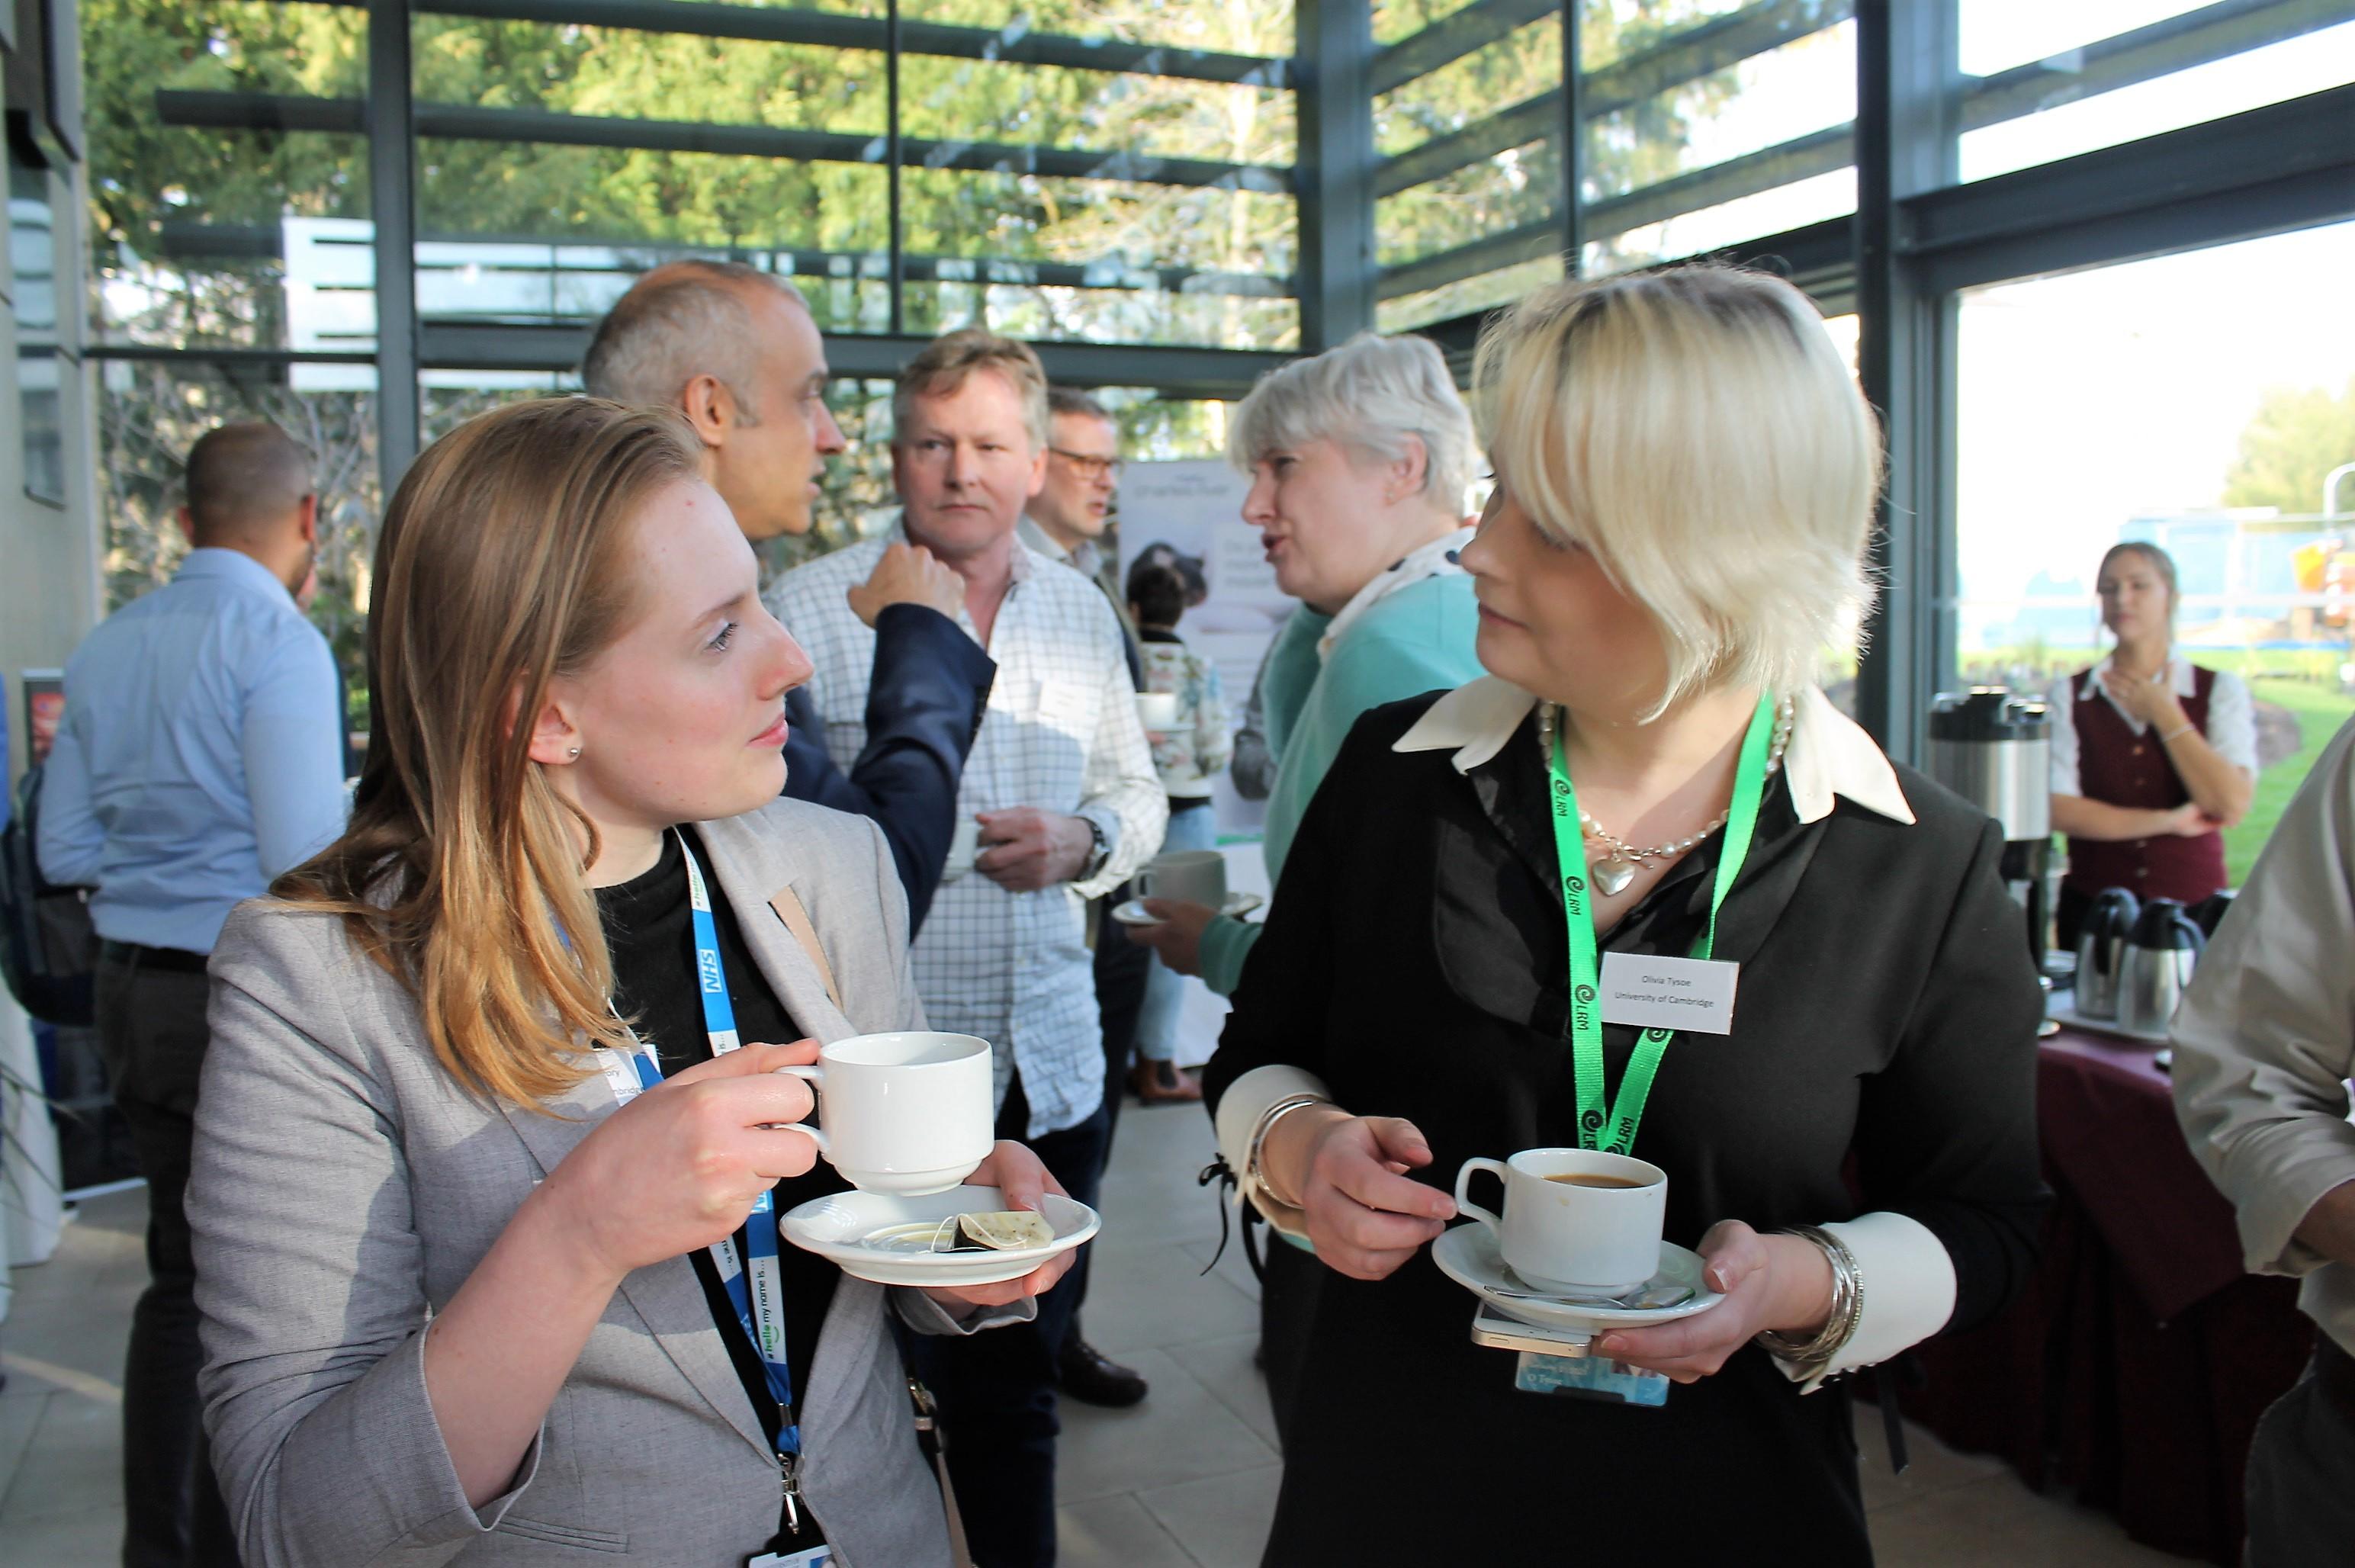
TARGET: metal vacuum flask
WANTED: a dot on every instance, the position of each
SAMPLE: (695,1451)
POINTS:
(1994,748)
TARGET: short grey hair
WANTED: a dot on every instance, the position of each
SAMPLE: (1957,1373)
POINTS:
(1370,393)
(682,320)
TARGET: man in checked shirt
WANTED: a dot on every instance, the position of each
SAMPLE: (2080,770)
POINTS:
(1061,784)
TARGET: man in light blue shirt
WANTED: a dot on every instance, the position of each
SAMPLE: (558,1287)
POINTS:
(199,757)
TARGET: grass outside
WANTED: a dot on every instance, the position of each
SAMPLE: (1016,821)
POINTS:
(2320,711)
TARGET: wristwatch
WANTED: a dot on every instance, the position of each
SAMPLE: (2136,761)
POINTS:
(1100,853)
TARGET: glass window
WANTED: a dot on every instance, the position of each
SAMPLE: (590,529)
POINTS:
(1678,159)
(2167,400)
(624,73)
(185,220)
(1484,293)
(1261,28)
(2045,81)
(40,366)
(151,413)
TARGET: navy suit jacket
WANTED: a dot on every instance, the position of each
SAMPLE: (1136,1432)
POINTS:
(930,687)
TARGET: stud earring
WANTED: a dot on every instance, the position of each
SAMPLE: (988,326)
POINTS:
(575,751)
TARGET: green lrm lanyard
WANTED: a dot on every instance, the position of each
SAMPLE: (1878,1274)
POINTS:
(1619,1118)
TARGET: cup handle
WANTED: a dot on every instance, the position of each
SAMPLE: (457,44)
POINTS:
(1142,883)
(1465,1205)
(816,1077)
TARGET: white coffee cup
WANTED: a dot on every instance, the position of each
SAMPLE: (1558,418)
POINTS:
(1199,876)
(906,1113)
(1157,710)
(1568,1239)
(964,842)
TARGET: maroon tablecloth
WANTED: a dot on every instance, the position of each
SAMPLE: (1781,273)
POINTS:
(2136,1365)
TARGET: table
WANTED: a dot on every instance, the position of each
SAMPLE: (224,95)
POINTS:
(2135,1365)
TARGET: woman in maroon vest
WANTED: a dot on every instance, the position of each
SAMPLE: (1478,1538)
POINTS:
(2152,755)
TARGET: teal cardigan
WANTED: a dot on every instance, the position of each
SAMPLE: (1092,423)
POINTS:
(1416,640)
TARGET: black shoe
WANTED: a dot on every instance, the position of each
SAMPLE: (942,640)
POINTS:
(1084,1372)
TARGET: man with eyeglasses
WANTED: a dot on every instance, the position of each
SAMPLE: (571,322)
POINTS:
(1067,521)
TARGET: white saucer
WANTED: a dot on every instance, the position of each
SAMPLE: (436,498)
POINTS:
(1134,912)
(845,1227)
(1468,1256)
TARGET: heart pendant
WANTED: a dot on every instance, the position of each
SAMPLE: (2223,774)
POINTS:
(1612,876)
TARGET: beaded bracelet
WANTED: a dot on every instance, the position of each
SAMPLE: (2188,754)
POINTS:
(1847,1305)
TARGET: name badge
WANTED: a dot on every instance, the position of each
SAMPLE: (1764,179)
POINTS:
(815,1557)
(1656,992)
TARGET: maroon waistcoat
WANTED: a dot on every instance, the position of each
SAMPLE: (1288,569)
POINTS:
(2118,767)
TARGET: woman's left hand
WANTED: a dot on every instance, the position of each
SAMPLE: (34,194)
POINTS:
(1014,1170)
(1770,1282)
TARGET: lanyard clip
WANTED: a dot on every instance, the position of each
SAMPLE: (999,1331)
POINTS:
(789,1474)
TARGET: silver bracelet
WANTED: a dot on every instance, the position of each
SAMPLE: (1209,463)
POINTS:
(1847,1305)
(2177,734)
(1266,1125)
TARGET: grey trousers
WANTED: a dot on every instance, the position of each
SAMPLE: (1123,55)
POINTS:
(152,1031)
(2302,1469)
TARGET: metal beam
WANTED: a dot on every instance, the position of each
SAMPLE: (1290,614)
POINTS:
(1217,373)
(1336,45)
(458,121)
(1449,39)
(1905,143)
(189,241)
(2270,169)
(797,24)
(1819,151)
(1525,243)
(390,122)
(2196,38)
(1531,120)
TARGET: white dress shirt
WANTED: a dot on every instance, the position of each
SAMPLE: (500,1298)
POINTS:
(1062,734)
(2231,726)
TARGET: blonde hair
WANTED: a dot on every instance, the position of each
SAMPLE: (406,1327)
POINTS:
(503,562)
(1370,393)
(1695,428)
(2160,562)
(945,362)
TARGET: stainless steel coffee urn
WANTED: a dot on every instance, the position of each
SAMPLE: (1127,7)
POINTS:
(1994,748)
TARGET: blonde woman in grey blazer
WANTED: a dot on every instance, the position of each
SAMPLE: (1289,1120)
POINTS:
(450,1308)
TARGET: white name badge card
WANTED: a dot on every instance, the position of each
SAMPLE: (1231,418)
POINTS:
(1658,992)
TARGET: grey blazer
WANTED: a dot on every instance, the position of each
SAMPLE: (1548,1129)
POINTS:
(344,1186)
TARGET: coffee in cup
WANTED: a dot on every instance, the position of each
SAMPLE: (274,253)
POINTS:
(1577,1223)
(1199,876)
(907,1114)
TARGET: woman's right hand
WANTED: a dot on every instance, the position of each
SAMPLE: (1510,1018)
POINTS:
(679,1166)
(1365,1216)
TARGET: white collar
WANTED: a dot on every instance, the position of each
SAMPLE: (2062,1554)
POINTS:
(1436,559)
(1828,755)
(2186,679)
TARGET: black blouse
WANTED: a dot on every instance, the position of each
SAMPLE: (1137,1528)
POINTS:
(1415,960)
(650,933)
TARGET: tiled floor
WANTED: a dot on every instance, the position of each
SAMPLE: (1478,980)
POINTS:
(1185,1481)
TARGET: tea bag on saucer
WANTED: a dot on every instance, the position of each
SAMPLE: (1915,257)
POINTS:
(1002,1230)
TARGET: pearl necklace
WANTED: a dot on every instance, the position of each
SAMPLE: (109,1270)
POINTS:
(1612,874)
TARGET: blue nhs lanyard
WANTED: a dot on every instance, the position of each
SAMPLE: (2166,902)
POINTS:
(761,1308)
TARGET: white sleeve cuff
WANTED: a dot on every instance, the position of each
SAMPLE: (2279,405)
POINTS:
(1909,1294)
(1247,1100)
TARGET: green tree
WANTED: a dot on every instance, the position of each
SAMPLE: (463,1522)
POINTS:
(2296,437)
